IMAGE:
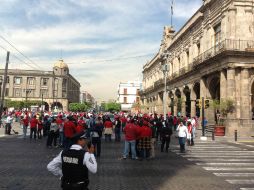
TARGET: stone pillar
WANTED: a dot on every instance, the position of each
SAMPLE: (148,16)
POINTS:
(203,91)
(223,85)
(231,89)
(183,99)
(245,99)
(193,98)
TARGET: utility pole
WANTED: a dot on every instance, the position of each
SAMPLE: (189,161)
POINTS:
(4,85)
(42,104)
(203,116)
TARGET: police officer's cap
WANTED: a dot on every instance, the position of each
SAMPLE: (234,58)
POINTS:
(77,136)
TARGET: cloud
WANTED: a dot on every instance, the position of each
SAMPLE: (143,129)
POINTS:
(87,31)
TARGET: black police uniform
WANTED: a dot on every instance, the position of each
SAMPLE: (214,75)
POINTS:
(75,173)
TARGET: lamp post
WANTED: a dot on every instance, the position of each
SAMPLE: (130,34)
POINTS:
(165,72)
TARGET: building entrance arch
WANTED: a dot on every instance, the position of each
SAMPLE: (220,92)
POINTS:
(56,106)
(187,94)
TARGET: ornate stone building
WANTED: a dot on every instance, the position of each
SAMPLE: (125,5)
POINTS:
(56,88)
(211,56)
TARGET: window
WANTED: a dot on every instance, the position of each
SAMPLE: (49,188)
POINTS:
(125,91)
(55,94)
(44,82)
(137,99)
(31,81)
(188,56)
(17,92)
(45,93)
(64,93)
(64,85)
(8,80)
(198,46)
(217,35)
(17,80)
(7,92)
(125,100)
(30,92)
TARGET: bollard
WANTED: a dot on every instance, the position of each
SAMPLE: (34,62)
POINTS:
(235,135)
(213,136)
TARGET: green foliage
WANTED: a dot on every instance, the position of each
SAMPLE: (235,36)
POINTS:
(110,106)
(75,107)
(22,104)
(224,107)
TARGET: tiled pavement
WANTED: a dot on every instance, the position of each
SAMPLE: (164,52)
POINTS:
(23,166)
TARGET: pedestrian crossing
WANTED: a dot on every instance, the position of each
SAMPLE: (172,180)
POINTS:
(234,164)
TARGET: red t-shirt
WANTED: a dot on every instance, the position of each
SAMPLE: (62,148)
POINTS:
(40,126)
(33,123)
(26,121)
(79,129)
(145,131)
(108,124)
(130,131)
(69,129)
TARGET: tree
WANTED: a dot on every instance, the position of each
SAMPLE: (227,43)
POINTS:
(223,107)
(110,106)
(75,107)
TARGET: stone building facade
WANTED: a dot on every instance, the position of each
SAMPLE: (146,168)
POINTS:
(56,88)
(211,56)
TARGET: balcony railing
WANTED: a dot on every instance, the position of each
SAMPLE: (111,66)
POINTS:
(226,45)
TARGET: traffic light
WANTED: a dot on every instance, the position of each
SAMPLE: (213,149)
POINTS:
(207,103)
(198,103)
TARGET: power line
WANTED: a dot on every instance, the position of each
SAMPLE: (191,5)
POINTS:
(19,51)
(19,59)
(120,58)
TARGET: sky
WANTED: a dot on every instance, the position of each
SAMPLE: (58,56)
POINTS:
(104,42)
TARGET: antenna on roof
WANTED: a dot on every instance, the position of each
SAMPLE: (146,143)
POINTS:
(172,12)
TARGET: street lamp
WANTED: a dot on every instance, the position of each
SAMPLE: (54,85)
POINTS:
(165,72)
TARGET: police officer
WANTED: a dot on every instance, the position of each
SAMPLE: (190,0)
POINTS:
(72,165)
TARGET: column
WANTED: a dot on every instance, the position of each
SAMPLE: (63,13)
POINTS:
(231,89)
(203,91)
(193,102)
(183,101)
(245,99)
(223,85)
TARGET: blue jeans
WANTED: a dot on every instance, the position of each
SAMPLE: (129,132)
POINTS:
(133,149)
(61,138)
(182,143)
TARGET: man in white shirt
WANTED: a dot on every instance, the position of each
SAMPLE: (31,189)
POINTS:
(182,134)
(9,120)
(73,164)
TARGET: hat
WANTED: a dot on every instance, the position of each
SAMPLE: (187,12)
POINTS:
(81,135)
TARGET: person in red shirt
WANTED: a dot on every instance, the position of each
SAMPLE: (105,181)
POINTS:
(69,131)
(33,127)
(40,126)
(108,125)
(25,123)
(131,133)
(60,124)
(145,135)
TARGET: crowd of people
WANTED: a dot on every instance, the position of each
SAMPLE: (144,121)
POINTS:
(141,132)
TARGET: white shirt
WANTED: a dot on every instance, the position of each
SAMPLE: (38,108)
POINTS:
(182,131)
(55,166)
(9,119)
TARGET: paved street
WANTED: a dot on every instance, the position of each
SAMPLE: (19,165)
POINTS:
(23,166)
